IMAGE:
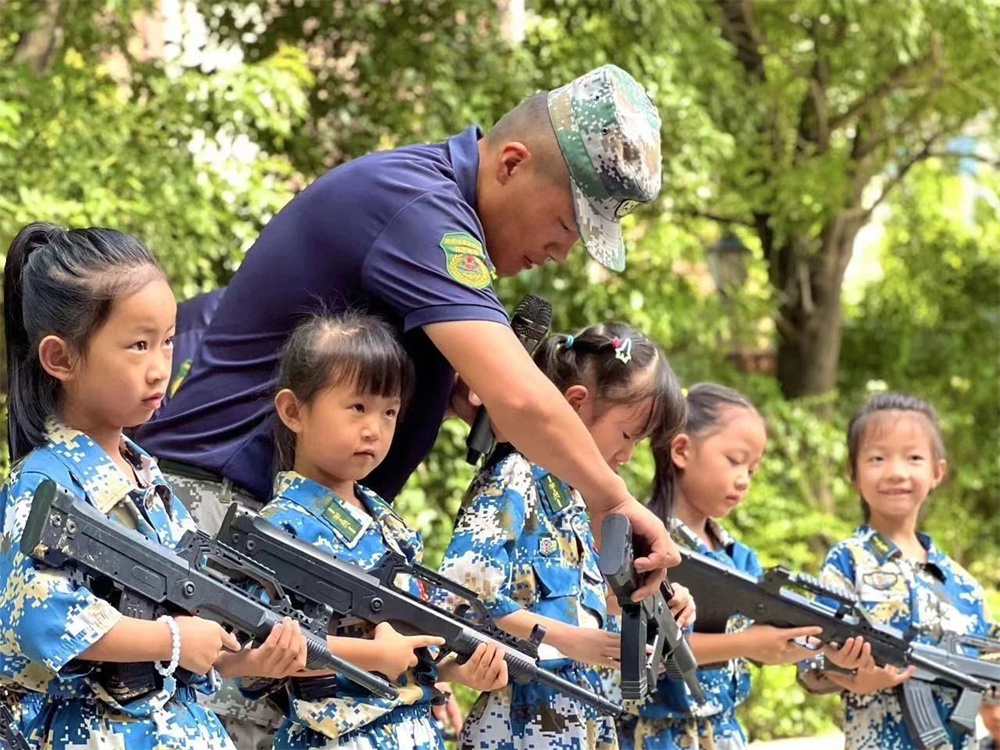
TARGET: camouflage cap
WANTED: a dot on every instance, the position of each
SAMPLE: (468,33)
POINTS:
(609,133)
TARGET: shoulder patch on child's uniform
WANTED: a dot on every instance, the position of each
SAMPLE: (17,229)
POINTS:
(345,524)
(555,494)
(547,545)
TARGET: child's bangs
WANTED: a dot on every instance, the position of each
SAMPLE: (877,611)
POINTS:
(368,367)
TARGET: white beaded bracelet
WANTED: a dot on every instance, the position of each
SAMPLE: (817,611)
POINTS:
(175,652)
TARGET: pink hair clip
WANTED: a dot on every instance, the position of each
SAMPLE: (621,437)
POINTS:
(623,349)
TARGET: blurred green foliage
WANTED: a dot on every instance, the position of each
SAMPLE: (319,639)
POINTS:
(195,158)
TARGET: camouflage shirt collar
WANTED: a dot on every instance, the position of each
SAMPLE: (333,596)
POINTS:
(92,467)
(345,519)
(692,541)
(557,496)
(883,549)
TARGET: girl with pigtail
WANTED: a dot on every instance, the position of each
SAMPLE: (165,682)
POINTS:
(523,542)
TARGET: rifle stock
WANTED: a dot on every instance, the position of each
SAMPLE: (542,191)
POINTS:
(10,736)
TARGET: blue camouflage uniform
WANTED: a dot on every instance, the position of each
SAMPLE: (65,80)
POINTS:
(926,600)
(48,618)
(671,719)
(352,717)
(523,541)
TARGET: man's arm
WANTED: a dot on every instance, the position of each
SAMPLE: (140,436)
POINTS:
(531,413)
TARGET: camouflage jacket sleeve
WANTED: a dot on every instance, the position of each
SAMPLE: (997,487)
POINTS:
(479,555)
(49,617)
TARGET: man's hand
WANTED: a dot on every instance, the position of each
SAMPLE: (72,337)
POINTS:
(461,404)
(650,534)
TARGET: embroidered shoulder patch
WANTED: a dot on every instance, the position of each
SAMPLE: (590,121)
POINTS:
(465,259)
(554,493)
(880,580)
(342,521)
(547,545)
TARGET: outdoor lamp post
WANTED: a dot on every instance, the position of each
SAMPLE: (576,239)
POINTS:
(727,262)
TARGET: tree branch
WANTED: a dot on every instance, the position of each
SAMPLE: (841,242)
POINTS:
(696,214)
(898,78)
(35,47)
(738,28)
(995,163)
(923,154)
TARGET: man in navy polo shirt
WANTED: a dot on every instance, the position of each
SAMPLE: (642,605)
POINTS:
(418,235)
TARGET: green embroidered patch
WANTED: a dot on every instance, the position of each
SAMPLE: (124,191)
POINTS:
(556,495)
(466,260)
(342,521)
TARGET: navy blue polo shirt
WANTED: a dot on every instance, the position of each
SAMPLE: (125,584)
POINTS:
(385,233)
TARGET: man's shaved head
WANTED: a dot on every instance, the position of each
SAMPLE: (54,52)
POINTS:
(524,196)
(529,123)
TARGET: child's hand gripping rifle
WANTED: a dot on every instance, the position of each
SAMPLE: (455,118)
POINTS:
(201,577)
(314,578)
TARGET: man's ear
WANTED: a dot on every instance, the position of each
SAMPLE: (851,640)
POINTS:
(512,158)
(681,448)
(289,410)
(57,358)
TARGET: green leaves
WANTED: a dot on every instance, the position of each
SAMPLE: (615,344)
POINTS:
(779,124)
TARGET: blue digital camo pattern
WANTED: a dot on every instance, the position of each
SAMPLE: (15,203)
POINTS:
(523,541)
(926,600)
(670,718)
(49,618)
(353,718)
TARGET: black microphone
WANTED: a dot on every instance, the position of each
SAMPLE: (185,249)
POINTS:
(531,323)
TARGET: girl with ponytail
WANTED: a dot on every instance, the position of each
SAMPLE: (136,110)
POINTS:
(89,320)
(702,473)
(523,541)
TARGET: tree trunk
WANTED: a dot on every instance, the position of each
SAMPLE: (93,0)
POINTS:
(811,322)
(35,47)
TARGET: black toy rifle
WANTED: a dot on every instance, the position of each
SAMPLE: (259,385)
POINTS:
(650,635)
(785,599)
(201,577)
(10,736)
(313,578)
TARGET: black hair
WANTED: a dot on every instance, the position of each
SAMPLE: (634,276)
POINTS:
(329,350)
(706,404)
(61,283)
(875,408)
(591,358)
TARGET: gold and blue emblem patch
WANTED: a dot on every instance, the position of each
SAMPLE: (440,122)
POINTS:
(880,579)
(547,545)
(465,260)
